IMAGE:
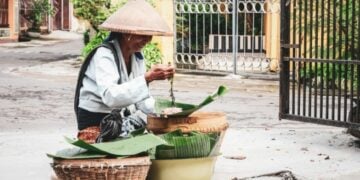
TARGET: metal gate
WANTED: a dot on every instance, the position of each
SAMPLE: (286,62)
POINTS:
(225,36)
(320,67)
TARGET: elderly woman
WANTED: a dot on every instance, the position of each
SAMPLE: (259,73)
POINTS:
(114,76)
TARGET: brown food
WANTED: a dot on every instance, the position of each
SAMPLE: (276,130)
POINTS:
(89,134)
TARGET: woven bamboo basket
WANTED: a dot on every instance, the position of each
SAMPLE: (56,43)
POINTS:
(135,168)
(205,122)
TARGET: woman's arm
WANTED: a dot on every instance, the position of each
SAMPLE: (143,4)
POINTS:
(112,94)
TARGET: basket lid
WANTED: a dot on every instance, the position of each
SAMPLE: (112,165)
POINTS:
(205,122)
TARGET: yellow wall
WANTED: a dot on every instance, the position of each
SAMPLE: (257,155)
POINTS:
(13,19)
(272,34)
(166,44)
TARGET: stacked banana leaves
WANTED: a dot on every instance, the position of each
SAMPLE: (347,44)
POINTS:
(118,148)
(190,145)
(172,145)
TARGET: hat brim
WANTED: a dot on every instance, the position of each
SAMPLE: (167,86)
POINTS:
(134,30)
(137,17)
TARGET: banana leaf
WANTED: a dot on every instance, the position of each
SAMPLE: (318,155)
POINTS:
(137,132)
(214,138)
(190,145)
(187,109)
(75,153)
(125,147)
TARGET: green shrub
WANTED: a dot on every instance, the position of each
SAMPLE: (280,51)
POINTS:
(39,10)
(86,37)
(94,42)
(151,51)
(152,54)
(331,72)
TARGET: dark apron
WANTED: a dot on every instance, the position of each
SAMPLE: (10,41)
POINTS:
(86,118)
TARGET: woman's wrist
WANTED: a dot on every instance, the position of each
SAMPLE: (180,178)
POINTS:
(148,77)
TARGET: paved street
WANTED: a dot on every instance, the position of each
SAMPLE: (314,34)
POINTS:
(42,50)
(37,84)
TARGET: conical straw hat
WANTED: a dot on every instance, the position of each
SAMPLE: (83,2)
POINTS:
(137,17)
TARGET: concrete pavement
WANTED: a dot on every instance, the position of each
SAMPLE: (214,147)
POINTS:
(36,105)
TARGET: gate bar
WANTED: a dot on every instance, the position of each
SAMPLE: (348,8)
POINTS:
(284,65)
(320,121)
(234,32)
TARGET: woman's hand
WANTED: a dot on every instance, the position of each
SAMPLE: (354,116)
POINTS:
(159,72)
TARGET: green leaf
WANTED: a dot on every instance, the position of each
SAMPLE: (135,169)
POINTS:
(152,54)
(125,147)
(137,132)
(188,109)
(190,145)
(75,153)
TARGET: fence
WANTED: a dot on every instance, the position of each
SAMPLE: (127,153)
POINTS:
(320,67)
(205,31)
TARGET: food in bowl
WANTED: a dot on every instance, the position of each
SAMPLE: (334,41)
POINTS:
(171,110)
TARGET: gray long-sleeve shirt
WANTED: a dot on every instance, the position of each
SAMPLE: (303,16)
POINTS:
(102,93)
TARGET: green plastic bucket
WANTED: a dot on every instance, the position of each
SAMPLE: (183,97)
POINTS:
(182,169)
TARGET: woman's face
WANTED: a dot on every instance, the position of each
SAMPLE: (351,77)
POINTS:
(137,42)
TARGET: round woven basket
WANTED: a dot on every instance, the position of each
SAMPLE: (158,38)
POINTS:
(135,168)
(205,122)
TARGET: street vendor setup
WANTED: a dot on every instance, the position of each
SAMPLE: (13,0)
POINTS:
(179,146)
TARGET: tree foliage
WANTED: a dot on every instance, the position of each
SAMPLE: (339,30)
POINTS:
(39,10)
(95,11)
(330,30)
(339,25)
